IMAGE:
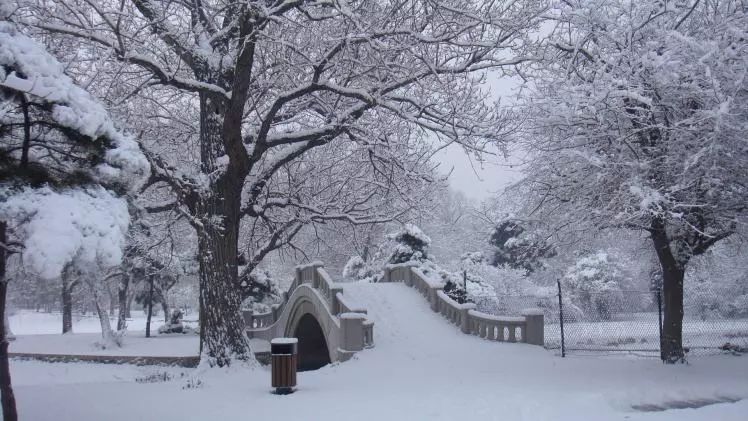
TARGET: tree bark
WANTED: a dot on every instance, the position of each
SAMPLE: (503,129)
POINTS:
(673,274)
(222,337)
(150,308)
(124,284)
(67,300)
(131,292)
(10,412)
(165,308)
(107,334)
(67,309)
(8,330)
(112,300)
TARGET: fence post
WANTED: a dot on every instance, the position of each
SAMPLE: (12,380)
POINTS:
(561,318)
(659,316)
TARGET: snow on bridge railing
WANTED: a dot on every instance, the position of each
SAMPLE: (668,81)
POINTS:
(529,328)
(368,326)
(346,305)
(325,285)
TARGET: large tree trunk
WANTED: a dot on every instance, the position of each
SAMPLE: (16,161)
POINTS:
(221,326)
(124,284)
(222,335)
(673,274)
(6,389)
(67,299)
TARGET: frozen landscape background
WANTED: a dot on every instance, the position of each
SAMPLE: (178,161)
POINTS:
(485,210)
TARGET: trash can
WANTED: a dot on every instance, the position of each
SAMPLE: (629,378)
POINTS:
(283,356)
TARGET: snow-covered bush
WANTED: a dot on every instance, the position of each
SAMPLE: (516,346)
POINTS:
(716,284)
(709,296)
(358,269)
(502,289)
(175,324)
(85,225)
(259,291)
(595,283)
(411,245)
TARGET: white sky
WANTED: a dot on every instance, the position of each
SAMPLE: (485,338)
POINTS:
(477,180)
(480,181)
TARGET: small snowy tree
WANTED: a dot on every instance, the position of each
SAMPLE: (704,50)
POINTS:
(516,247)
(359,269)
(411,245)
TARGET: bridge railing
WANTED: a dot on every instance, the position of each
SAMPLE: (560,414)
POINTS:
(329,290)
(529,328)
(344,304)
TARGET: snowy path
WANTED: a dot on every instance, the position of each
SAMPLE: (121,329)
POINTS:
(422,368)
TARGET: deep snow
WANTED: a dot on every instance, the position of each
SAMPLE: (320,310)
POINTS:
(421,369)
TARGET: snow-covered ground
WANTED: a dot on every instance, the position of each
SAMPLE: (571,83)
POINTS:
(39,333)
(701,336)
(27,322)
(134,344)
(421,369)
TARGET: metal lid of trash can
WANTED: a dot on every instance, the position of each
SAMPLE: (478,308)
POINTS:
(283,346)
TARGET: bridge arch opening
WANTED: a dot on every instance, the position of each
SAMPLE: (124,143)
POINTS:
(313,353)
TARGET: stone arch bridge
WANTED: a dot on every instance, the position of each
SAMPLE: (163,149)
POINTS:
(314,310)
(331,327)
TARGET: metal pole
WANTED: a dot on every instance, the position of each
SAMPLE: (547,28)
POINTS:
(659,316)
(561,318)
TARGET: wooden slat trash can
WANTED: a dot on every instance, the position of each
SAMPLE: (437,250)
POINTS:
(283,355)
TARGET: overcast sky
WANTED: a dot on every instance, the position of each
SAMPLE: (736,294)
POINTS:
(475,180)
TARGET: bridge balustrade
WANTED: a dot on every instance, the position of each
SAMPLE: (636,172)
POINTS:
(528,329)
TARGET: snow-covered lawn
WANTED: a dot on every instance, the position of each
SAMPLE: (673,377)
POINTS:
(421,369)
(38,333)
(701,336)
(25,322)
(134,344)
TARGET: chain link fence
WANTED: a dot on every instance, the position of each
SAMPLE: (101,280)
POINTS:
(622,321)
